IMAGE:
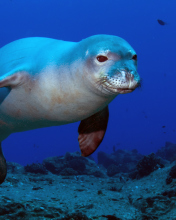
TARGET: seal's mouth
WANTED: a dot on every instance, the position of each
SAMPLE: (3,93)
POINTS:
(125,90)
(121,83)
(117,90)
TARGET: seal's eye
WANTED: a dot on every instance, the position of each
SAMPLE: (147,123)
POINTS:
(134,57)
(101,58)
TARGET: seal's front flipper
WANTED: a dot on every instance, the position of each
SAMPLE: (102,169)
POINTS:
(13,79)
(91,131)
(3,166)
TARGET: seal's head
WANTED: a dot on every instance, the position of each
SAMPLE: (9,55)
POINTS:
(110,64)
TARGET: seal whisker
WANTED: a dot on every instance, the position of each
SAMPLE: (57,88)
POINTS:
(105,85)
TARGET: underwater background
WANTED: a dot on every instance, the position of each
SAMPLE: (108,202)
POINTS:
(144,119)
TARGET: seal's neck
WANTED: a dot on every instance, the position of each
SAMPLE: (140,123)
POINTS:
(65,96)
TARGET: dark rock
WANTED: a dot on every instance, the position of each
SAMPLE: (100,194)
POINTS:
(111,217)
(98,173)
(78,165)
(14,168)
(90,157)
(36,168)
(21,214)
(45,211)
(168,152)
(13,180)
(133,175)
(172,172)
(148,164)
(169,193)
(70,156)
(125,160)
(154,206)
(149,217)
(55,164)
(100,192)
(37,179)
(112,170)
(169,180)
(123,177)
(36,188)
(68,172)
(116,188)
(93,169)
(11,208)
(106,160)
(76,216)
(172,175)
(71,164)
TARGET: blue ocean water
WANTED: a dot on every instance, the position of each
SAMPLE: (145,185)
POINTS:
(136,119)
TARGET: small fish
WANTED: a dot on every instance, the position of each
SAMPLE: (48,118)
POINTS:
(161,22)
(163,126)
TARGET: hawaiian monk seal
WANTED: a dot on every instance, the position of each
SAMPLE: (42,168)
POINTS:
(47,82)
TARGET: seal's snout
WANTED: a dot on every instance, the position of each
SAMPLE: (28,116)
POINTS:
(132,83)
(121,81)
(128,81)
(129,78)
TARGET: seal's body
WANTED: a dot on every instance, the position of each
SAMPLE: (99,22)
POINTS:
(46,82)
